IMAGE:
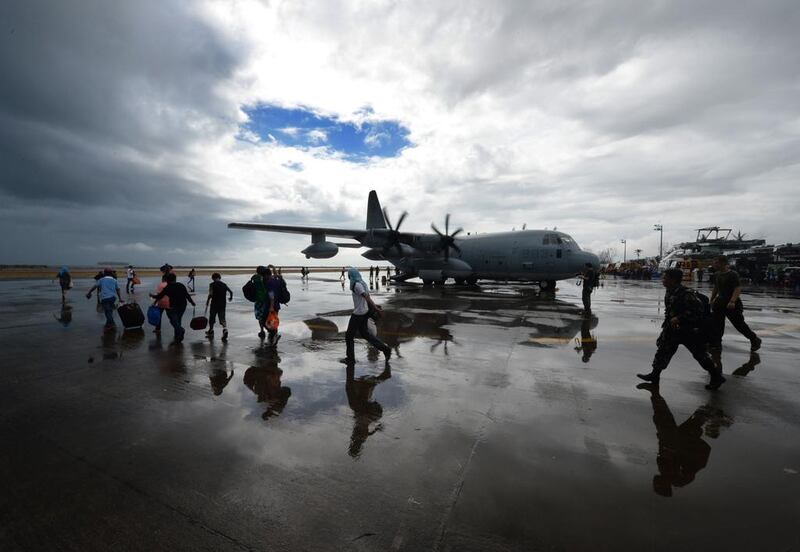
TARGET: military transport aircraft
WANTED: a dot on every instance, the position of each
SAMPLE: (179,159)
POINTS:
(542,256)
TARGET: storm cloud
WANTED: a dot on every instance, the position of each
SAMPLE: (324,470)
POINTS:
(124,126)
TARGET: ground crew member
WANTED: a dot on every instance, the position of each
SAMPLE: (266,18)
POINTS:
(725,303)
(684,324)
(588,276)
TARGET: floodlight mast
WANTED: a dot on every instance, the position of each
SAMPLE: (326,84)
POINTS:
(660,229)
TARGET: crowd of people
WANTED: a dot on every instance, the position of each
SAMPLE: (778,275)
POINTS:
(691,319)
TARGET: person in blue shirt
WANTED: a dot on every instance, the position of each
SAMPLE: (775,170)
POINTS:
(108,292)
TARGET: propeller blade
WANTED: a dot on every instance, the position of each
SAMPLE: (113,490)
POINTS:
(400,220)
(447,223)
(386,216)
(433,227)
(456,248)
(457,232)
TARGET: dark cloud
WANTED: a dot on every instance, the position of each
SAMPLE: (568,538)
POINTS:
(99,105)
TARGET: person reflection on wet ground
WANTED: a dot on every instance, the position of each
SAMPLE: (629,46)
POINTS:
(587,343)
(219,379)
(749,366)
(108,343)
(65,316)
(265,382)
(682,452)
(365,410)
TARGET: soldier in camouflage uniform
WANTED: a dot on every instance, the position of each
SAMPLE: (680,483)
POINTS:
(685,322)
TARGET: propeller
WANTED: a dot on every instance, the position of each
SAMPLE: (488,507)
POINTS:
(447,239)
(393,237)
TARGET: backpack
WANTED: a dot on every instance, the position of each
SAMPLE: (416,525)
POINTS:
(705,324)
(283,296)
(249,291)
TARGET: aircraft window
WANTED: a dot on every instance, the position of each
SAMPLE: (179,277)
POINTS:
(550,239)
(558,253)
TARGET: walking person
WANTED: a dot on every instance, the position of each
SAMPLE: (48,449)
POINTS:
(178,297)
(65,281)
(261,305)
(130,275)
(190,281)
(163,303)
(589,278)
(342,276)
(725,303)
(107,292)
(217,290)
(685,323)
(362,307)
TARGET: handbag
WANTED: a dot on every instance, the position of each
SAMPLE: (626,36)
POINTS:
(198,322)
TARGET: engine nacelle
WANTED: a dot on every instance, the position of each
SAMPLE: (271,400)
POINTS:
(373,255)
(321,250)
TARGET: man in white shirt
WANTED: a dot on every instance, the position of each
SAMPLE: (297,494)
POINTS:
(362,306)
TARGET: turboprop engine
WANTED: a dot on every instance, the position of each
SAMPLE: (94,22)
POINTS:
(321,250)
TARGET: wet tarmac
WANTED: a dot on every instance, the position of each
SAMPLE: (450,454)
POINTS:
(506,421)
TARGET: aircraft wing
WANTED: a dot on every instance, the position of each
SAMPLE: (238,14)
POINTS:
(309,230)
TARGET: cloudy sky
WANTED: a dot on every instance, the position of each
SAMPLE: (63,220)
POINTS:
(134,131)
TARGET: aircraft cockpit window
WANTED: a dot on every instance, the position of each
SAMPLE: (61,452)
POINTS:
(551,239)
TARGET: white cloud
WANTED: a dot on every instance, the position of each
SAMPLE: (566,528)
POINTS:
(317,136)
(601,119)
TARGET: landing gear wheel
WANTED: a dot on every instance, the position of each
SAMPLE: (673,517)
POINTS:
(459,281)
(548,285)
(427,282)
(472,280)
(441,281)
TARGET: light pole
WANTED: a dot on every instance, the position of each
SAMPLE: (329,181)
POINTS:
(624,250)
(660,228)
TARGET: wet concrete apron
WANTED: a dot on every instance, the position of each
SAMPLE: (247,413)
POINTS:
(506,421)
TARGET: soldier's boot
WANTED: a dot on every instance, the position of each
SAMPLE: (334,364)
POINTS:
(715,370)
(653,377)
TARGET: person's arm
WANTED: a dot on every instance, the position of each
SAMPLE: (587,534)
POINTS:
(230,292)
(734,297)
(189,297)
(372,304)
(119,296)
(208,299)
(91,289)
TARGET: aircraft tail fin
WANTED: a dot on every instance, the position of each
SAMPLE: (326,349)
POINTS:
(374,213)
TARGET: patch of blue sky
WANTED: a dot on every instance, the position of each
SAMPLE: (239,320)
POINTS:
(303,128)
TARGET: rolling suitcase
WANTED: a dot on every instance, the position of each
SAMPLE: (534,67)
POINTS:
(131,315)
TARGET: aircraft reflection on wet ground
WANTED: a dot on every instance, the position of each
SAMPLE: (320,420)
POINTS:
(487,432)
(414,312)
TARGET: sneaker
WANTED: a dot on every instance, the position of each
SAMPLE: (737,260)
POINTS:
(262,335)
(347,360)
(275,340)
(210,333)
(715,382)
(388,354)
(755,345)
(653,377)
(224,335)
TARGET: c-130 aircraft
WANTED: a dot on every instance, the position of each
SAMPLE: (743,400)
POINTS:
(542,256)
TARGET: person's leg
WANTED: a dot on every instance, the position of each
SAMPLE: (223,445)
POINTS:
(586,295)
(666,345)
(349,338)
(717,327)
(212,314)
(700,353)
(736,317)
(363,331)
(222,322)
(108,310)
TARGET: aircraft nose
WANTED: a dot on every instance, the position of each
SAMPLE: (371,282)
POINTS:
(587,257)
